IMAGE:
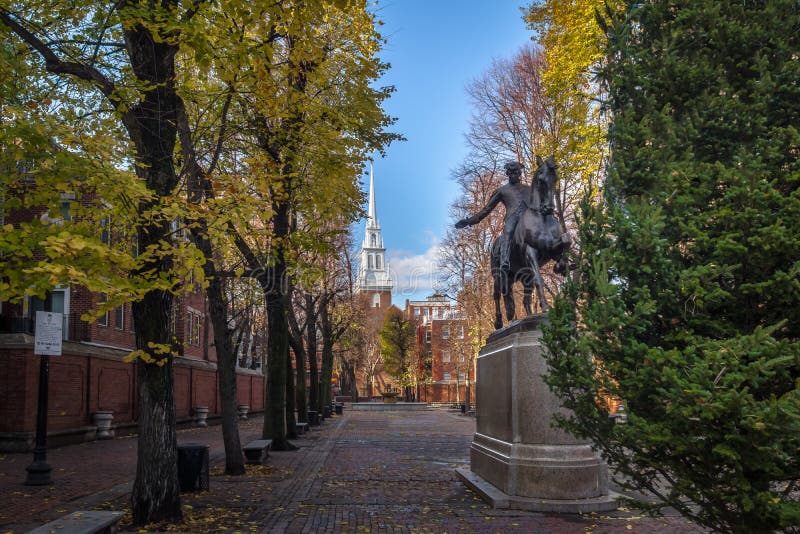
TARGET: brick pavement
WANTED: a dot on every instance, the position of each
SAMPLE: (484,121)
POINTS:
(381,472)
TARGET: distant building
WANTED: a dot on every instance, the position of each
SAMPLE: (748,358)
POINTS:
(443,349)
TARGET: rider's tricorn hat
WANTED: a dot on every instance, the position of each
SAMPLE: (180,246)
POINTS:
(512,165)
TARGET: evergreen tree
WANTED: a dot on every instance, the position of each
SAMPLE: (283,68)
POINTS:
(686,306)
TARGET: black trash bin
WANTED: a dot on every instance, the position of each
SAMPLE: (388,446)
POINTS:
(463,409)
(339,408)
(193,467)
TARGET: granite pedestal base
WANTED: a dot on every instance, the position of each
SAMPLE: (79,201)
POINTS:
(517,459)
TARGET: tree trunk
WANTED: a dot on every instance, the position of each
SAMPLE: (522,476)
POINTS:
(152,125)
(277,355)
(199,187)
(226,374)
(327,355)
(272,283)
(291,421)
(301,391)
(350,372)
(155,495)
(311,346)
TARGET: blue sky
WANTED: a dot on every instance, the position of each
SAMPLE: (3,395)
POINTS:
(435,48)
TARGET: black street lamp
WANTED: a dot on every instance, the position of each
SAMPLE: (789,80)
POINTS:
(39,471)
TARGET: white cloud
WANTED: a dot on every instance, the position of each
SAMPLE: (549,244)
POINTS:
(414,275)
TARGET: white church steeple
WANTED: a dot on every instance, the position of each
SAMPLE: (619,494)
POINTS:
(374,274)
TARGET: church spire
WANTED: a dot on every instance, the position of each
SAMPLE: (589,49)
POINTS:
(372,215)
(374,275)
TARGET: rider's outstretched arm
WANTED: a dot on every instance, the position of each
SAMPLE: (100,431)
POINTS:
(478,217)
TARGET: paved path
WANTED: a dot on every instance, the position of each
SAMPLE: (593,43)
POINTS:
(381,472)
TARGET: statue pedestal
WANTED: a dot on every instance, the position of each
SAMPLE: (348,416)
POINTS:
(517,459)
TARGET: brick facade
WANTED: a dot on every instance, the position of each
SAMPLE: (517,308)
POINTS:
(88,378)
(91,374)
(441,341)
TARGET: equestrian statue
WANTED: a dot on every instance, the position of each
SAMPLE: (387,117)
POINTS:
(531,236)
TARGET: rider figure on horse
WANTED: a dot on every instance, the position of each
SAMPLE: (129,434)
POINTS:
(515,197)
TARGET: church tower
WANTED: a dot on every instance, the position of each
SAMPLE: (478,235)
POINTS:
(374,282)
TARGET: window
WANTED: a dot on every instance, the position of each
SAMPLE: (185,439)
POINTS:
(103,320)
(173,321)
(372,240)
(460,331)
(462,377)
(189,327)
(427,336)
(197,322)
(194,322)
(416,313)
(369,261)
(377,261)
(119,317)
(445,332)
(445,356)
(376,300)
(105,234)
(64,209)
(446,377)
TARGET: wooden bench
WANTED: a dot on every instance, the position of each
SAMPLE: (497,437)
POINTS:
(301,428)
(82,523)
(257,451)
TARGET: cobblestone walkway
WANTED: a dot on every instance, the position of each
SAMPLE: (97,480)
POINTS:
(381,472)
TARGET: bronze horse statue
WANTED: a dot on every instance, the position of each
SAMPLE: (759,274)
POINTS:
(537,239)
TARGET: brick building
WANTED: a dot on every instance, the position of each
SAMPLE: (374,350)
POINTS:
(443,349)
(91,375)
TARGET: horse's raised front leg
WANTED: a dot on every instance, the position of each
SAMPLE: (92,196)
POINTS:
(537,277)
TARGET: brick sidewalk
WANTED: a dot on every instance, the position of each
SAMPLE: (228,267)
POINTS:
(83,470)
(363,472)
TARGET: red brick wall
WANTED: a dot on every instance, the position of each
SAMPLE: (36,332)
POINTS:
(113,387)
(67,392)
(16,398)
(183,390)
(257,393)
(445,393)
(204,390)
(87,379)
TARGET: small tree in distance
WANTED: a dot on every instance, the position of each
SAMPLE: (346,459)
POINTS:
(397,348)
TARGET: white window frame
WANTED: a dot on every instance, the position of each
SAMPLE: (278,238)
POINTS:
(103,319)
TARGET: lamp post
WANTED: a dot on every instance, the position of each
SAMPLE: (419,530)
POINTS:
(39,471)
(47,341)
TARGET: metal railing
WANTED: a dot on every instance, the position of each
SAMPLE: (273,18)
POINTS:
(74,329)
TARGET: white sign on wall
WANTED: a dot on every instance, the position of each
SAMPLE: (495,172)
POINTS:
(47,340)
